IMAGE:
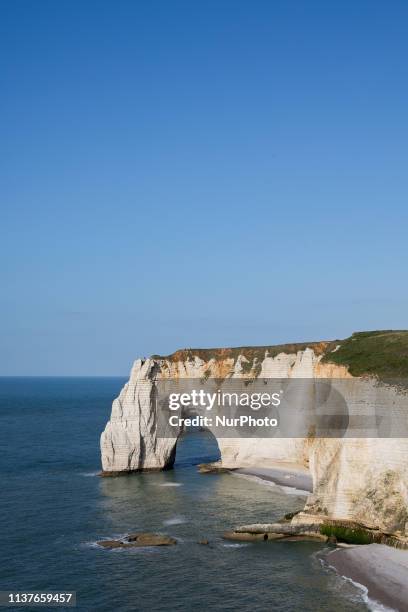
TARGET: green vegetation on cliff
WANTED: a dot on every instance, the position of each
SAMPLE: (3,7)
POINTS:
(379,353)
(251,353)
(355,535)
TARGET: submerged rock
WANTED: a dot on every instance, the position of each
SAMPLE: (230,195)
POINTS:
(212,468)
(151,539)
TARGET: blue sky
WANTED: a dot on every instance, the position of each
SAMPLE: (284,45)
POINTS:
(215,173)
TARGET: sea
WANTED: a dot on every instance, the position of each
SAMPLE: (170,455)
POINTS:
(55,508)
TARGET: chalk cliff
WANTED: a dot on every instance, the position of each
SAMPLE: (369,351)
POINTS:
(364,479)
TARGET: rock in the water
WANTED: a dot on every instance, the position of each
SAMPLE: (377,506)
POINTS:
(139,539)
(203,542)
(275,531)
(151,539)
(329,530)
(211,468)
(242,536)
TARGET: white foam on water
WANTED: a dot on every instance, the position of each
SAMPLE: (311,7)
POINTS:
(133,550)
(91,544)
(170,484)
(235,545)
(269,483)
(89,474)
(262,481)
(294,491)
(175,520)
(372,604)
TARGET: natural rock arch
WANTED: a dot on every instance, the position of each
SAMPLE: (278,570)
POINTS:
(359,479)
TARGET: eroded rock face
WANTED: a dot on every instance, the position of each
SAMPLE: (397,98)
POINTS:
(275,531)
(361,479)
(364,479)
(130,440)
(328,530)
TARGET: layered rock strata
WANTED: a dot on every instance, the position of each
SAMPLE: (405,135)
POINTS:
(354,478)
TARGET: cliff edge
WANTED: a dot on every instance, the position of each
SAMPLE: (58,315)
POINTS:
(361,479)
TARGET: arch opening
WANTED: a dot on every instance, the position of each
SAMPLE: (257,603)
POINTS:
(196,445)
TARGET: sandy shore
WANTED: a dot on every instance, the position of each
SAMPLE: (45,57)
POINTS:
(381,569)
(285,475)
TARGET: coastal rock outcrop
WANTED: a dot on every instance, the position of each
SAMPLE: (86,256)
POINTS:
(354,478)
(331,531)
(139,540)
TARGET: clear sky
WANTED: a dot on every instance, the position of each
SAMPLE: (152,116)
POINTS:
(198,173)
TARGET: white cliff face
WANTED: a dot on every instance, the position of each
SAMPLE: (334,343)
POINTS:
(129,442)
(365,479)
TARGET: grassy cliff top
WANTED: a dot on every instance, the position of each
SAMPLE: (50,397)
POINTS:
(381,353)
(250,352)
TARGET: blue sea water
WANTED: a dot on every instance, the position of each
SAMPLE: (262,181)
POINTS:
(55,508)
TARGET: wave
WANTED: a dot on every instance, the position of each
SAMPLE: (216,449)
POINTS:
(170,484)
(140,550)
(175,520)
(372,604)
(269,483)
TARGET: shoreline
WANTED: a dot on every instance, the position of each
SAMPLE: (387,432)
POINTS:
(380,569)
(291,478)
